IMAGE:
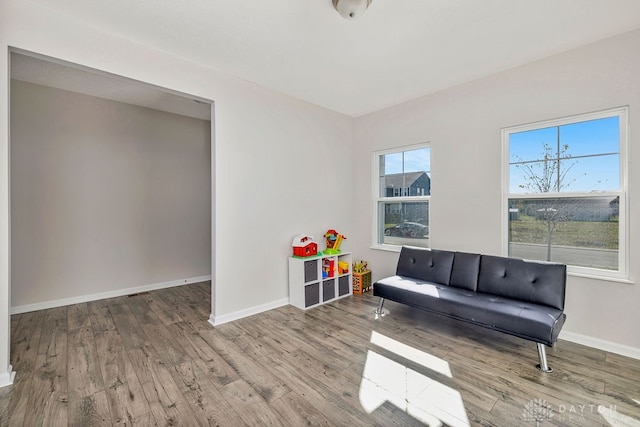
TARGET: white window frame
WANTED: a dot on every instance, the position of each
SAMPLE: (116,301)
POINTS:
(377,199)
(622,274)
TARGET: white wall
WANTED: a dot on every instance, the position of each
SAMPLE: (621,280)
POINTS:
(281,166)
(290,169)
(105,196)
(463,125)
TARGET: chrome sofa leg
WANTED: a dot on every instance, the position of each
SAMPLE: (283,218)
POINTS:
(542,354)
(378,311)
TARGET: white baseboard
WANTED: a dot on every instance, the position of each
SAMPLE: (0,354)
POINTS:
(609,346)
(6,378)
(103,295)
(225,318)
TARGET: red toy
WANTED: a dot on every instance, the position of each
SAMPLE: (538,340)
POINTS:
(304,246)
(328,268)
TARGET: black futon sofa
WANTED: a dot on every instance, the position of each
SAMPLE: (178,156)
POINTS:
(518,297)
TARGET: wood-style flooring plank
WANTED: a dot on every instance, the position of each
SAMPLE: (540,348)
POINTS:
(332,405)
(47,403)
(295,410)
(78,316)
(209,362)
(141,310)
(249,405)
(26,333)
(254,372)
(167,313)
(100,316)
(196,300)
(166,346)
(129,330)
(168,404)
(90,410)
(83,367)
(205,400)
(122,386)
(5,400)
(312,343)
(25,337)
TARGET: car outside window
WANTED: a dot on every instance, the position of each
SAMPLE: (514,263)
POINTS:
(402,183)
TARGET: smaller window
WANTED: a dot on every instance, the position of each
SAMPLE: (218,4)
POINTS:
(402,183)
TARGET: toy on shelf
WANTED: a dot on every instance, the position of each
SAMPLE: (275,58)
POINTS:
(304,246)
(361,277)
(343,267)
(328,268)
(334,240)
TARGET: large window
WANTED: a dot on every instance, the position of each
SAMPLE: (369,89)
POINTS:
(402,184)
(565,192)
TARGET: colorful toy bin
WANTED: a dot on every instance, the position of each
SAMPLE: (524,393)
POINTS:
(304,246)
(361,277)
(361,282)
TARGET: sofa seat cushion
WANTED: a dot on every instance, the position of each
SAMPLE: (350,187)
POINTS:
(523,319)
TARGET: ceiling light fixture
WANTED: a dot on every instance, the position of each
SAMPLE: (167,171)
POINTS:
(351,9)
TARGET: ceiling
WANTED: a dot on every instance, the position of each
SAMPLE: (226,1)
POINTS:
(399,50)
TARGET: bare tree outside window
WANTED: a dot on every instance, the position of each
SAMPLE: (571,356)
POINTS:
(551,174)
(565,196)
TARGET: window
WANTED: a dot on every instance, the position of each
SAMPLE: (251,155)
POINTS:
(565,192)
(402,185)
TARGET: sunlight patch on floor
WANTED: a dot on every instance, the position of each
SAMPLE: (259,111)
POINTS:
(425,399)
(417,356)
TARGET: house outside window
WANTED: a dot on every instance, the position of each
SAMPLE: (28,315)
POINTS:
(402,193)
(565,193)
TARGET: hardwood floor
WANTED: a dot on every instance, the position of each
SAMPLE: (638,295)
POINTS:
(152,359)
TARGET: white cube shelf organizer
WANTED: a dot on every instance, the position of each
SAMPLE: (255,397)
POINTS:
(316,280)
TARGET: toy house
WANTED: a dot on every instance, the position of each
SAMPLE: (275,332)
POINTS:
(304,246)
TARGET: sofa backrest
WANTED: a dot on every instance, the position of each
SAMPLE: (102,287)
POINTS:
(430,265)
(465,271)
(530,281)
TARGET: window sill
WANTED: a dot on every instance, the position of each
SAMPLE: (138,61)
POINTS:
(601,278)
(386,248)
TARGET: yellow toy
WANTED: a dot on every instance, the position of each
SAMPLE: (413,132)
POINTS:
(343,267)
(334,240)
